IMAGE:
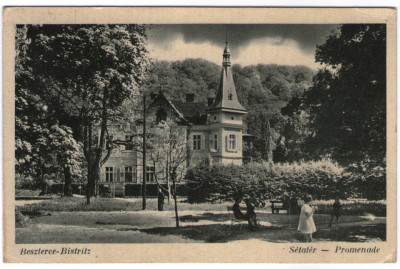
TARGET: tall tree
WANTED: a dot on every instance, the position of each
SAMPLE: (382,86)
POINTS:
(84,72)
(347,103)
(169,154)
(67,153)
(36,127)
(296,132)
(267,144)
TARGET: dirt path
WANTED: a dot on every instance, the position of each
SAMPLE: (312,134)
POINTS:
(196,226)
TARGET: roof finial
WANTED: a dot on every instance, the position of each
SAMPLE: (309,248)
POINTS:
(226,55)
(226,35)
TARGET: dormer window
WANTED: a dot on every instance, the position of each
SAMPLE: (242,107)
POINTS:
(161,115)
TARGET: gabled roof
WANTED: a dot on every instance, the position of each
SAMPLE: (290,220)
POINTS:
(193,113)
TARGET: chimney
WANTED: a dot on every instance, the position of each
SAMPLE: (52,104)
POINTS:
(210,100)
(153,95)
(189,97)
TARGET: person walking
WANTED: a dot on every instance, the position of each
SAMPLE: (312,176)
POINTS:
(306,221)
(335,212)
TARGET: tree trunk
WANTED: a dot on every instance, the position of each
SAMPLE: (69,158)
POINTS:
(43,183)
(96,177)
(168,181)
(68,182)
(169,190)
(176,205)
(88,155)
(93,159)
(144,155)
(87,192)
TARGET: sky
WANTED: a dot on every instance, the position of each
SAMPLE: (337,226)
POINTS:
(250,44)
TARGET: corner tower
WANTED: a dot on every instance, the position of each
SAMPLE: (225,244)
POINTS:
(225,116)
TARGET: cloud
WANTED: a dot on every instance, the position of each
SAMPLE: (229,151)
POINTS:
(265,50)
(179,49)
(307,36)
(275,51)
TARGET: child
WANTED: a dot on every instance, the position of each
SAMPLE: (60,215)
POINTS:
(336,212)
(306,221)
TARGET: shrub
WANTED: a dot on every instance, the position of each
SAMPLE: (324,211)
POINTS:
(369,179)
(21,220)
(105,191)
(322,179)
(22,182)
(354,207)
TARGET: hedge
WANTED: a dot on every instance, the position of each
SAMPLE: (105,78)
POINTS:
(321,179)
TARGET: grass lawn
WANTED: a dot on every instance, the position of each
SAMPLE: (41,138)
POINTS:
(72,204)
(108,220)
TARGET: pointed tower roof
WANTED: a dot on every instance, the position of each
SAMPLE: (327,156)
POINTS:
(226,98)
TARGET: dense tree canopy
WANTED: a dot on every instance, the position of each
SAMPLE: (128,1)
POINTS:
(81,74)
(43,147)
(347,103)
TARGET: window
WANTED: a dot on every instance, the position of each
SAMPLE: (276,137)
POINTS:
(109,174)
(128,139)
(128,174)
(230,96)
(213,142)
(109,142)
(232,142)
(150,173)
(232,118)
(196,142)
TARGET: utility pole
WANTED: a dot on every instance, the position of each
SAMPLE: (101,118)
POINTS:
(144,153)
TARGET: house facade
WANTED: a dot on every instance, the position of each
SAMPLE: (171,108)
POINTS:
(214,132)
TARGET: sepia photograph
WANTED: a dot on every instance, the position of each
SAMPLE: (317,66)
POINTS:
(200,133)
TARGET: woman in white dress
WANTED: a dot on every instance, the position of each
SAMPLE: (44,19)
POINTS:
(306,222)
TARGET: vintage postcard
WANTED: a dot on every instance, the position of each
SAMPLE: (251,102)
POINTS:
(167,134)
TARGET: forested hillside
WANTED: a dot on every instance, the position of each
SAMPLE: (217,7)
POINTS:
(262,89)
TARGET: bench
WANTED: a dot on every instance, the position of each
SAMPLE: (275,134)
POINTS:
(233,218)
(277,205)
